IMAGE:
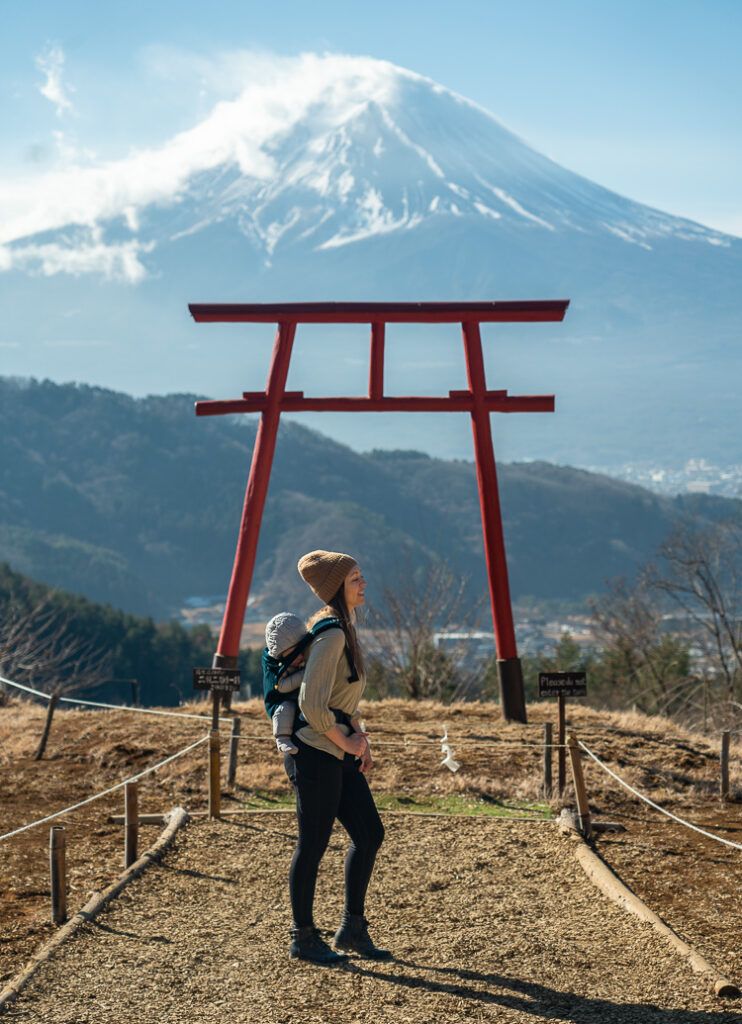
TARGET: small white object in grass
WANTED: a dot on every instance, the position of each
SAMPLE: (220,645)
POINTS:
(449,760)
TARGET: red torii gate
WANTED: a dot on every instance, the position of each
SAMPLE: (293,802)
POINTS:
(476,400)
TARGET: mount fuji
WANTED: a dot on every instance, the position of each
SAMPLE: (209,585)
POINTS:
(350,178)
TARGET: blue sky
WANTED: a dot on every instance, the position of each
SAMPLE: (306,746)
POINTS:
(642,97)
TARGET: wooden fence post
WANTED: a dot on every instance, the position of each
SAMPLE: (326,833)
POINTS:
(53,701)
(233,744)
(58,872)
(131,822)
(548,750)
(583,806)
(562,753)
(214,772)
(724,788)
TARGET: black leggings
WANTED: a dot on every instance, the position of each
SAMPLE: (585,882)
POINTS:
(326,789)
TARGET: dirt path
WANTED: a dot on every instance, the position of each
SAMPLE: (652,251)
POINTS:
(489,921)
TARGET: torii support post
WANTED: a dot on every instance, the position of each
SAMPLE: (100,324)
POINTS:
(476,400)
(508,663)
(255,495)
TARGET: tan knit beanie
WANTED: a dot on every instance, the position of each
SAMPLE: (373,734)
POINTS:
(324,572)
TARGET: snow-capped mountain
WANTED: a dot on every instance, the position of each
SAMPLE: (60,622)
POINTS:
(411,154)
(353,178)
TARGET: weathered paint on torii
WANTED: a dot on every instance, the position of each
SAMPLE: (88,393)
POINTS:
(476,400)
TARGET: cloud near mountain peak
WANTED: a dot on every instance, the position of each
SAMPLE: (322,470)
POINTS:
(276,93)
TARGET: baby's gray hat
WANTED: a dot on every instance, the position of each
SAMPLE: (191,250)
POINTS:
(282,632)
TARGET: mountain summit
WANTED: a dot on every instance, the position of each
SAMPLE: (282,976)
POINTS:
(334,177)
(375,150)
(332,151)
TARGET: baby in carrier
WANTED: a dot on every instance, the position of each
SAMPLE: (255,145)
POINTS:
(286,639)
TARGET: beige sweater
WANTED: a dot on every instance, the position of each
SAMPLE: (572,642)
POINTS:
(325,685)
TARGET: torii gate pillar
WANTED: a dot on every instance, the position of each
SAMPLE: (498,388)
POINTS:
(476,400)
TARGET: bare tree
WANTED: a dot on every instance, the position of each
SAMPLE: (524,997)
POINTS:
(700,572)
(403,654)
(638,654)
(39,648)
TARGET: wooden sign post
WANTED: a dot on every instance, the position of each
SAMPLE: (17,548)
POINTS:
(219,681)
(562,685)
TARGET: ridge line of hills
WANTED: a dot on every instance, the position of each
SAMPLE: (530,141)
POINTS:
(135,503)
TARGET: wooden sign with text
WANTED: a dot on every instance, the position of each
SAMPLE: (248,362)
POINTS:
(562,684)
(219,680)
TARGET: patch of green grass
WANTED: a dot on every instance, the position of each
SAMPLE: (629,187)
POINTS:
(449,804)
(461,804)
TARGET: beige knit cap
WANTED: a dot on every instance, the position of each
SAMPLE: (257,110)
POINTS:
(325,571)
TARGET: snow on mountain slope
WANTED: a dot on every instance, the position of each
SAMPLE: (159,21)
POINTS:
(332,177)
(329,152)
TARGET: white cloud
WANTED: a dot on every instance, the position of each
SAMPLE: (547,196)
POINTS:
(274,94)
(118,262)
(51,64)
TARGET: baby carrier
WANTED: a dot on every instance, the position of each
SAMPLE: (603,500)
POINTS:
(274,668)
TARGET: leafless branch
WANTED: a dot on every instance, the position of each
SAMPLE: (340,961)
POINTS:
(402,631)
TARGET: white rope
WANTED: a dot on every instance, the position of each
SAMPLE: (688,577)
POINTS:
(426,742)
(106,792)
(141,711)
(463,740)
(662,810)
(112,707)
(423,741)
(26,689)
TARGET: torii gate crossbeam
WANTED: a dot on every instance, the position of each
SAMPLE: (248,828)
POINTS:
(476,400)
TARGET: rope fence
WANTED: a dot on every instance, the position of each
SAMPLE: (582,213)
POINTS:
(112,707)
(425,741)
(106,792)
(656,806)
(546,745)
(410,742)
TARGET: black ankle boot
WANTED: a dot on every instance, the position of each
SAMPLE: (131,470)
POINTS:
(306,944)
(353,935)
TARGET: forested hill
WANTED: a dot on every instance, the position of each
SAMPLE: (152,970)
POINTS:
(159,656)
(136,502)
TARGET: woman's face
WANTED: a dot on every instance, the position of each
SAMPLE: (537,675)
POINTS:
(355,588)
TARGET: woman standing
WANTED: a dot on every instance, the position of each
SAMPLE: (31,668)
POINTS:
(329,770)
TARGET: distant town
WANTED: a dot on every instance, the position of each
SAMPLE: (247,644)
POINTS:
(697,476)
(539,630)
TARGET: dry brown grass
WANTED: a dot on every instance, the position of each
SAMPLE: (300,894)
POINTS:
(688,879)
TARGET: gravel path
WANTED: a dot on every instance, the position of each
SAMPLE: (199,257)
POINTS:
(489,921)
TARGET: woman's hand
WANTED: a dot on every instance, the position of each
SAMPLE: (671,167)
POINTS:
(356,744)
